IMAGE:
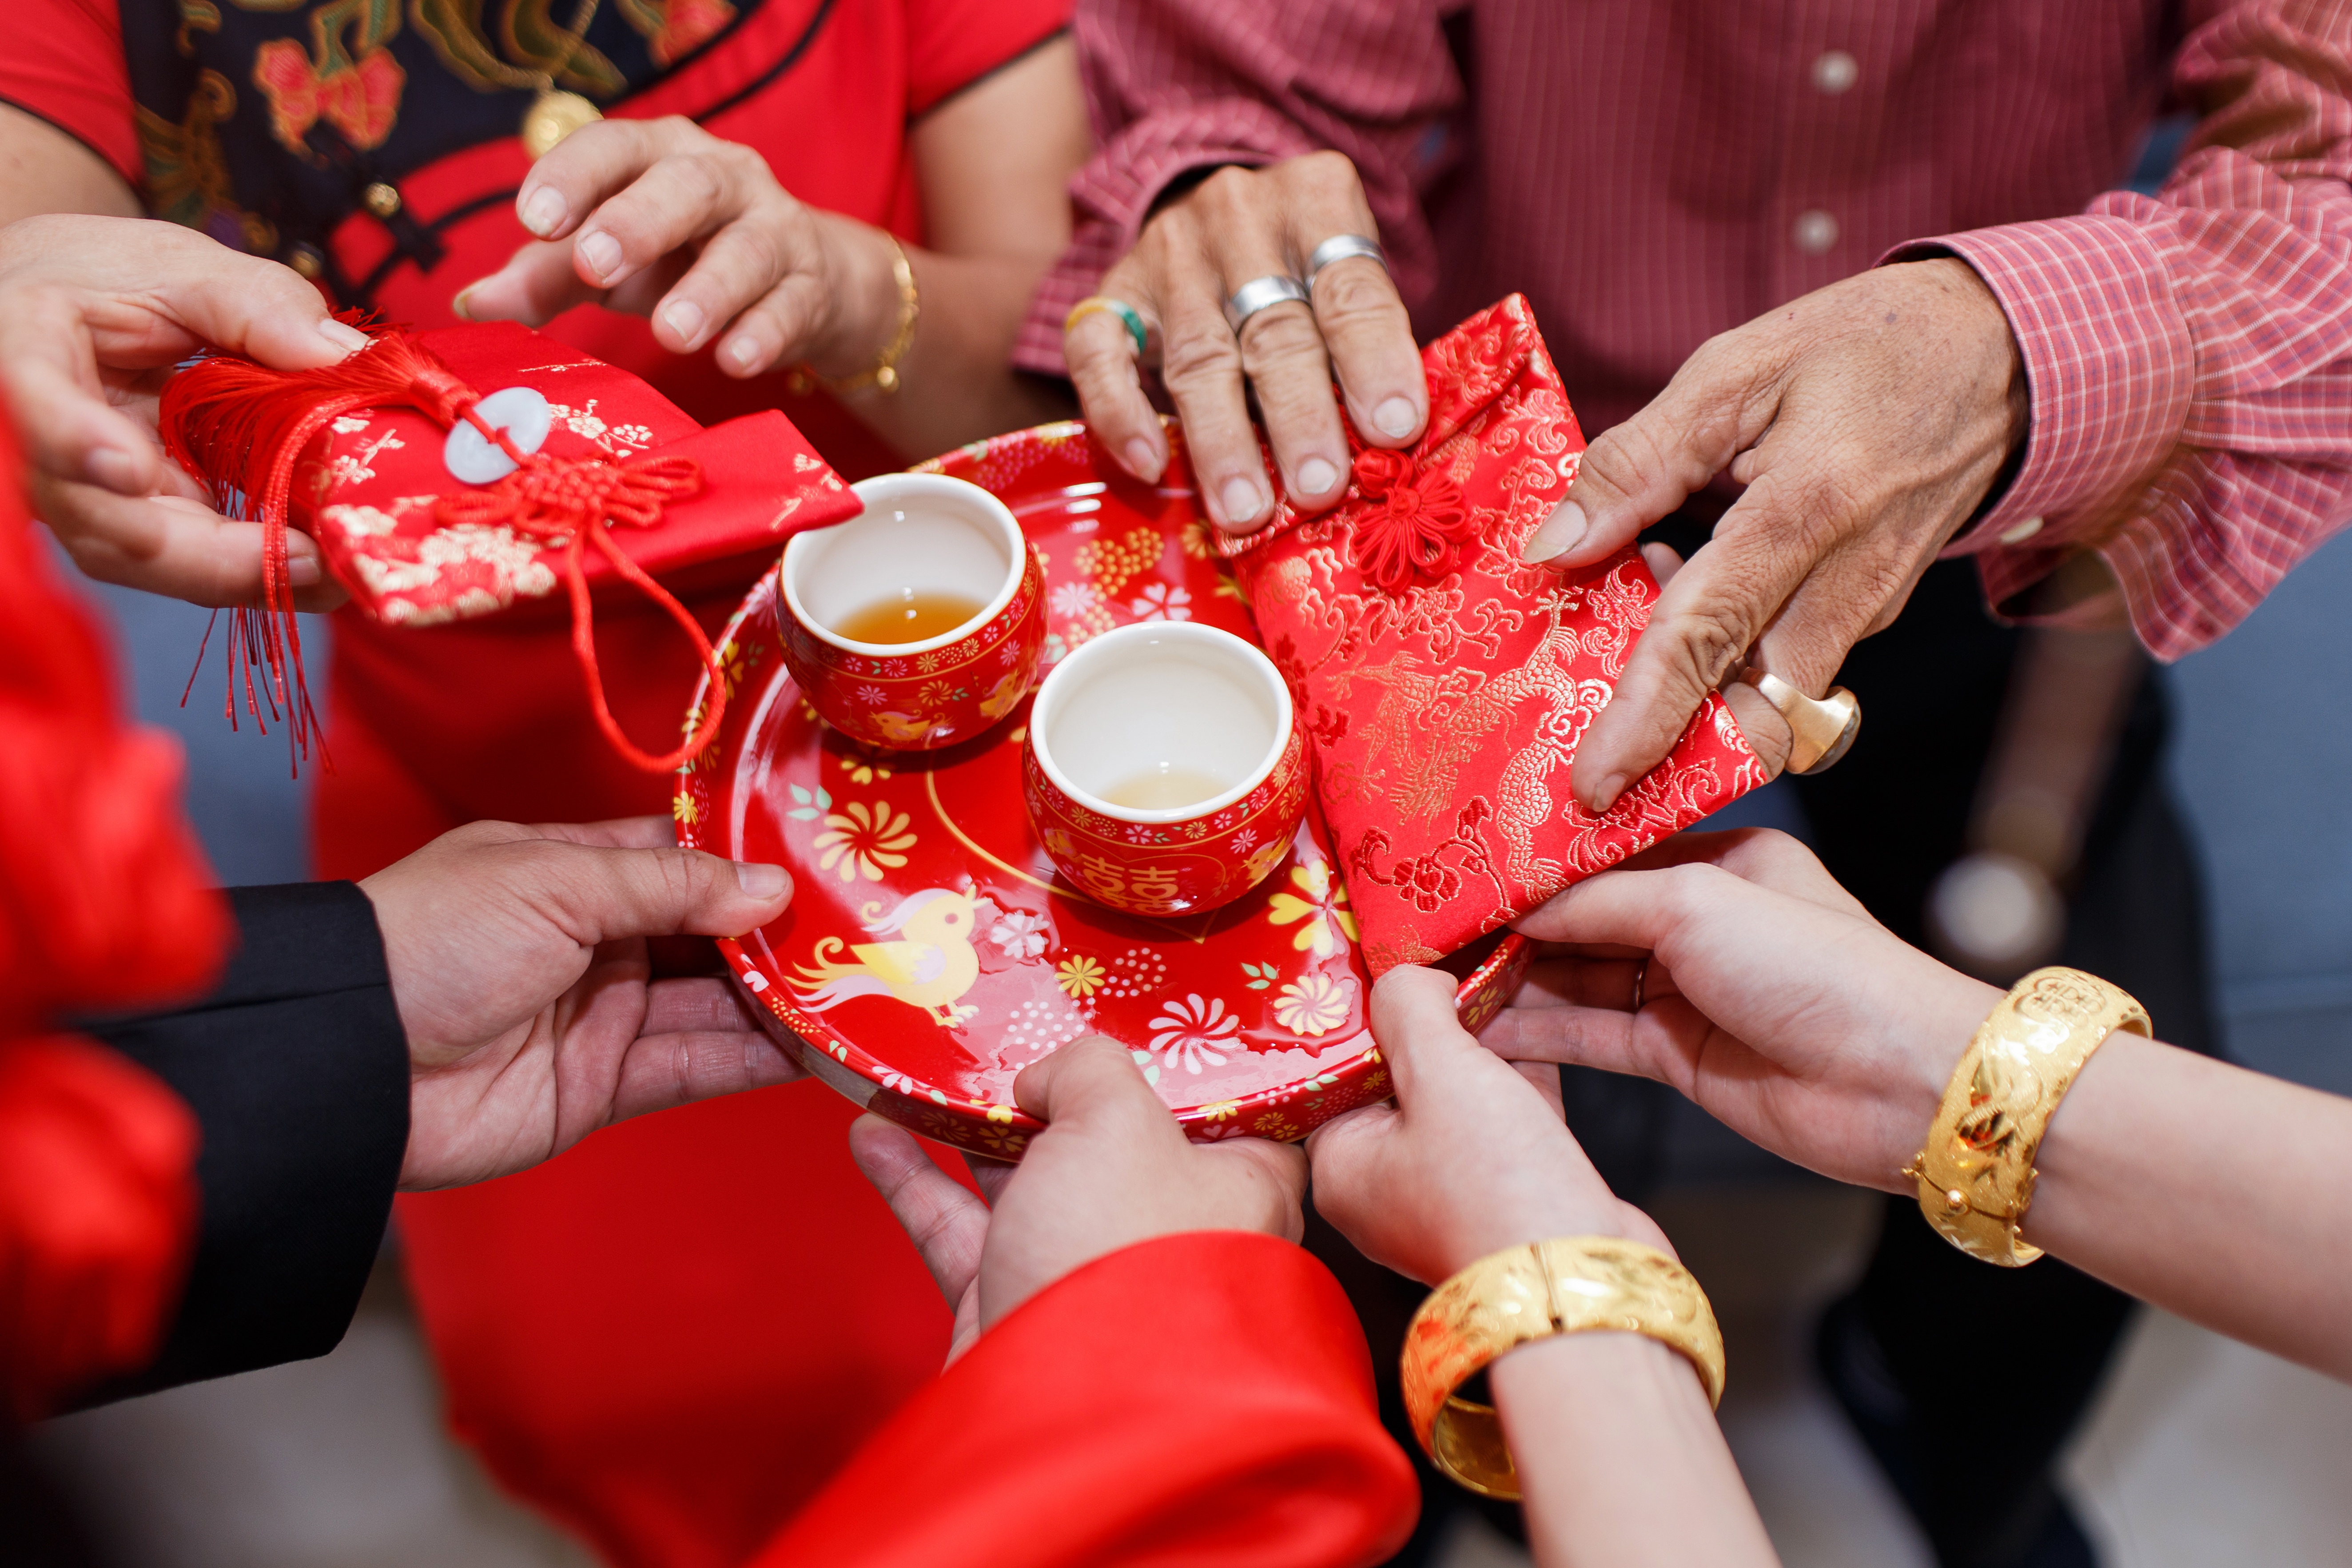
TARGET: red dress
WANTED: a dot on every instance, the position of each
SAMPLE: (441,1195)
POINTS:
(670,1337)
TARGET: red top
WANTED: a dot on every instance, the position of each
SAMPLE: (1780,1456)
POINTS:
(1650,174)
(1195,1399)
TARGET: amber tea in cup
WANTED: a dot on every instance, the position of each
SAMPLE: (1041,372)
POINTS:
(919,622)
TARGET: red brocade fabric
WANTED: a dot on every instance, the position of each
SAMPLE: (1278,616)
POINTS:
(1445,683)
(1195,1399)
(104,904)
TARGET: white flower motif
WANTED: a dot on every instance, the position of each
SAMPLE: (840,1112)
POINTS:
(1020,933)
(874,694)
(1315,1004)
(632,435)
(1072,599)
(1162,603)
(1193,1031)
(347,425)
(1243,839)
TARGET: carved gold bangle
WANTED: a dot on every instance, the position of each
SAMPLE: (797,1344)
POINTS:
(884,374)
(1531,1292)
(1976,1173)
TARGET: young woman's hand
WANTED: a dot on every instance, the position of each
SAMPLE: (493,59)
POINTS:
(94,312)
(1767,996)
(1112,1168)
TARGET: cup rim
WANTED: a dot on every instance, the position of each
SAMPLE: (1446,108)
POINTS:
(1041,710)
(993,507)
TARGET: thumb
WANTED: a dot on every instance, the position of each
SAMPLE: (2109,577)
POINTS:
(1637,473)
(1415,1023)
(615,893)
(256,307)
(1091,1083)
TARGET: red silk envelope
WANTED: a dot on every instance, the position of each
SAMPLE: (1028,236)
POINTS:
(1445,683)
(368,487)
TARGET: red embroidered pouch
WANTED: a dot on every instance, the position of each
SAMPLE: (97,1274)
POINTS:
(1444,682)
(469,472)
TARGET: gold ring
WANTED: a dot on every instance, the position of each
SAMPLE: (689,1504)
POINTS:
(1824,726)
(1129,316)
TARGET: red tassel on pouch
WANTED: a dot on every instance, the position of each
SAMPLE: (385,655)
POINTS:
(243,427)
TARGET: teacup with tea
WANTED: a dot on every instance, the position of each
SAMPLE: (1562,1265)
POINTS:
(918,623)
(1164,770)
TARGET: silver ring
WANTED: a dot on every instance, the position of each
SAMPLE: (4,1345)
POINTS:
(1259,294)
(1342,247)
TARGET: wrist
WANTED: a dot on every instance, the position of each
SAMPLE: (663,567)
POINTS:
(862,312)
(1954,1007)
(1498,1226)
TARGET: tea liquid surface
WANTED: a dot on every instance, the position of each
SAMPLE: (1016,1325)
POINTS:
(913,615)
(1165,788)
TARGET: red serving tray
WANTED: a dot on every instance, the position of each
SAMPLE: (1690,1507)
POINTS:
(931,952)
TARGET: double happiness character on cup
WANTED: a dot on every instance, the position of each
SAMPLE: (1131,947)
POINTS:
(1164,771)
(918,623)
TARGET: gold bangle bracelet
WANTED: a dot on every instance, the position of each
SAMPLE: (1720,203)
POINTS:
(883,375)
(1976,1173)
(1532,1292)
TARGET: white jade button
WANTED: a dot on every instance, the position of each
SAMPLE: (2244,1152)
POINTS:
(521,412)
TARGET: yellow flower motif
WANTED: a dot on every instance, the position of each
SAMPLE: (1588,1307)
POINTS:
(1222,1110)
(1329,921)
(681,806)
(1315,1004)
(863,764)
(1274,1125)
(865,841)
(1000,1113)
(1079,976)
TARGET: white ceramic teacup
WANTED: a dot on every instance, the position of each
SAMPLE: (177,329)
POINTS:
(917,623)
(1165,771)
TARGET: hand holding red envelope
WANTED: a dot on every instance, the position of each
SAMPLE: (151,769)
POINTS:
(1444,682)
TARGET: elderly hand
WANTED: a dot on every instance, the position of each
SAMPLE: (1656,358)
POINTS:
(662,220)
(1236,226)
(94,312)
(518,964)
(1866,421)
(1770,998)
(1472,1157)
(1112,1168)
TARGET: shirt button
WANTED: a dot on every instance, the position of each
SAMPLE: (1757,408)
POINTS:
(1814,231)
(2021,532)
(1836,71)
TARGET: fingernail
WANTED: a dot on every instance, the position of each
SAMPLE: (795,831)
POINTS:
(1606,795)
(1141,461)
(302,571)
(1560,533)
(684,317)
(343,334)
(1241,499)
(744,350)
(460,308)
(1397,416)
(113,468)
(760,881)
(543,211)
(1317,476)
(601,252)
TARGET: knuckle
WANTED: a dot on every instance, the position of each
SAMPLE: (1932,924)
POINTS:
(1281,336)
(1356,293)
(1197,361)
(1323,169)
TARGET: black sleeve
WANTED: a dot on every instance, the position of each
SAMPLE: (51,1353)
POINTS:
(296,1069)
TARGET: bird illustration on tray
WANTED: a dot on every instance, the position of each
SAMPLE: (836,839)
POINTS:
(932,964)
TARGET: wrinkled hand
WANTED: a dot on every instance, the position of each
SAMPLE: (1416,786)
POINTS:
(518,964)
(1472,1157)
(1866,421)
(1771,999)
(1112,1168)
(1236,226)
(94,312)
(662,220)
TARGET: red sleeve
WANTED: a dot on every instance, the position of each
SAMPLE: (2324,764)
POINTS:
(63,62)
(951,43)
(1202,1398)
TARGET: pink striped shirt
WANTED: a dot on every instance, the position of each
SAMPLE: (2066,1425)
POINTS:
(1653,172)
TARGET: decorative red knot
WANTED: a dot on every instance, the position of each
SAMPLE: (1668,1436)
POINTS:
(1417,527)
(550,498)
